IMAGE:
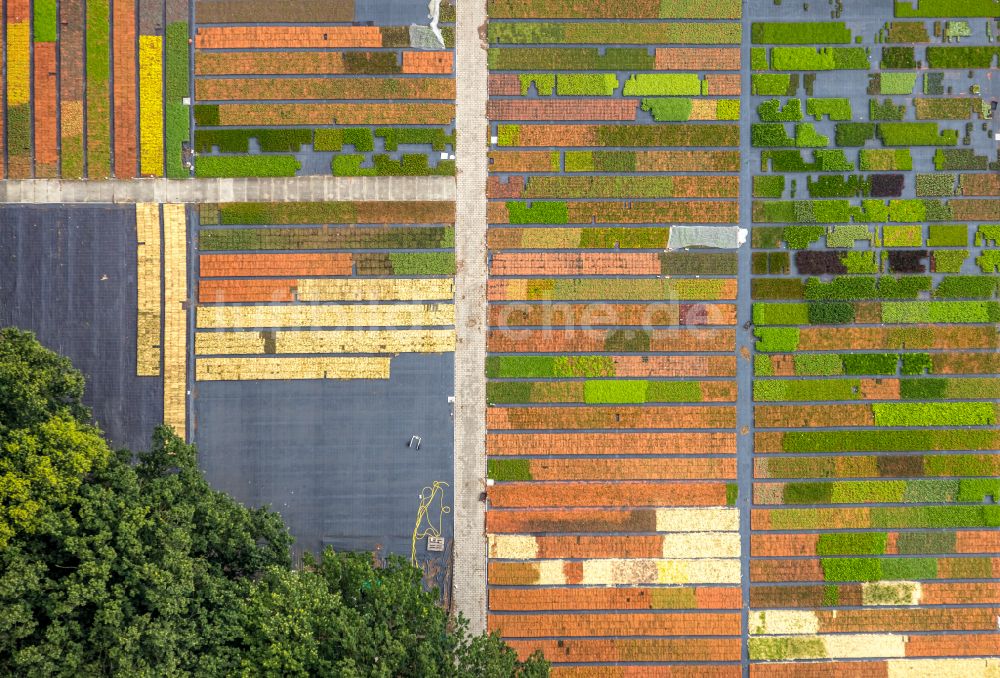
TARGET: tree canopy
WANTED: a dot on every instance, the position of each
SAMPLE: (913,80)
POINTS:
(114,563)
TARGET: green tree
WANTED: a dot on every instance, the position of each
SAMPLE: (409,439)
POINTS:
(46,444)
(117,564)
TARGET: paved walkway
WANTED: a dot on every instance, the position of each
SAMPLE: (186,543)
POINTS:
(256,189)
(469,576)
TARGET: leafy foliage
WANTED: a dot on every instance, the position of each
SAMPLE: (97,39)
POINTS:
(136,566)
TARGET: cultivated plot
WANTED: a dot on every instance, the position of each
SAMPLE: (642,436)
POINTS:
(343,90)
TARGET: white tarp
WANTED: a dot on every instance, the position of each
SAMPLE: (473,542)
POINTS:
(719,237)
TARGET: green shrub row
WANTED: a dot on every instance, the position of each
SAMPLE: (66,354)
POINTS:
(772,110)
(422,263)
(892,83)
(610,33)
(588,84)
(879,569)
(891,517)
(775,263)
(44,20)
(800,33)
(860,364)
(758,59)
(889,441)
(885,159)
(898,57)
(915,134)
(944,8)
(934,414)
(886,466)
(410,164)
(177,129)
(838,186)
(360,238)
(527,367)
(271,140)
(98,67)
(774,84)
(538,213)
(886,110)
(940,312)
(988,235)
(959,159)
(830,160)
(812,313)
(678,109)
(773,134)
(953,56)
(854,133)
(641,391)
(570,59)
(508,469)
(834,109)
(601,392)
(833,211)
(822,59)
(768,186)
(663,84)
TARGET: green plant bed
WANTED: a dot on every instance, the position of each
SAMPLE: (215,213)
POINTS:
(508,469)
(768,186)
(663,84)
(538,213)
(422,263)
(934,414)
(915,134)
(852,544)
(800,33)
(773,111)
(774,84)
(587,84)
(834,109)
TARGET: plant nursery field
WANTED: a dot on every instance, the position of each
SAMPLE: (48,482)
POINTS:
(612,425)
(118,112)
(738,383)
(351,99)
(326,331)
(874,520)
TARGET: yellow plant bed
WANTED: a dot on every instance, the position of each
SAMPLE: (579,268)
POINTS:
(18,63)
(175,318)
(783,622)
(697,519)
(891,593)
(244,369)
(231,343)
(354,315)
(147,227)
(513,546)
(151,105)
(328,341)
(548,238)
(381,289)
(701,545)
(944,668)
(367,341)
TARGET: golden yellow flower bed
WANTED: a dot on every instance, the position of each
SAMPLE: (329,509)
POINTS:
(243,369)
(18,63)
(147,227)
(381,289)
(175,318)
(348,315)
(328,341)
(151,105)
